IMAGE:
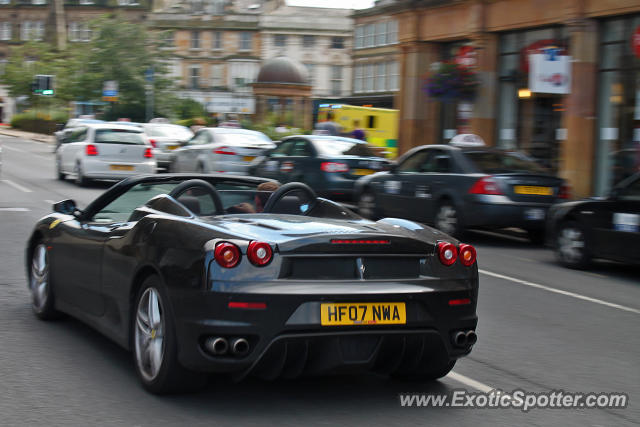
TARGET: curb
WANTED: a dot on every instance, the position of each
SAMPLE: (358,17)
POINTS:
(47,139)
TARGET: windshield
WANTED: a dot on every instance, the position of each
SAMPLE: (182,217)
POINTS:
(119,136)
(169,131)
(343,147)
(241,137)
(492,162)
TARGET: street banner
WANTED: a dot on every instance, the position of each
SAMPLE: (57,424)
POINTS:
(110,91)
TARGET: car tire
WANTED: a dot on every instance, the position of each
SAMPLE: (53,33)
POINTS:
(433,372)
(447,219)
(367,205)
(81,180)
(40,288)
(154,343)
(571,245)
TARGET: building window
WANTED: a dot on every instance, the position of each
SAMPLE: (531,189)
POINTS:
(128,3)
(5,31)
(310,72)
(280,40)
(217,75)
(240,73)
(25,30)
(336,80)
(194,77)
(168,39)
(359,37)
(369,35)
(381,77)
(217,40)
(195,39)
(5,1)
(359,78)
(245,40)
(368,78)
(337,42)
(79,32)
(86,2)
(217,7)
(392,75)
(308,41)
(38,2)
(392,32)
(381,34)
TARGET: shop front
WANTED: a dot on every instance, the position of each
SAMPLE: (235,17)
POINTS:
(618,135)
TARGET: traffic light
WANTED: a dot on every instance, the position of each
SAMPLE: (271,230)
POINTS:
(43,85)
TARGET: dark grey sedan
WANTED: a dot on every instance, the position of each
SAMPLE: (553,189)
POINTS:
(455,188)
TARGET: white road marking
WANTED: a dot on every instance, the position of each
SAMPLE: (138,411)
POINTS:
(14,210)
(8,147)
(470,382)
(561,292)
(17,186)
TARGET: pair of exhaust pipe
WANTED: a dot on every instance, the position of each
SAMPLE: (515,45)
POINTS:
(219,346)
(464,338)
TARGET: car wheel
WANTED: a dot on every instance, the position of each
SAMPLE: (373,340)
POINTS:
(42,300)
(571,246)
(447,219)
(431,373)
(155,345)
(61,176)
(81,180)
(367,205)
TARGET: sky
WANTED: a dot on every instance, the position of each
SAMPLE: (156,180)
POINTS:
(348,4)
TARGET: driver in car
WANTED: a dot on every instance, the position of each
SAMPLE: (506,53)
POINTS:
(263,192)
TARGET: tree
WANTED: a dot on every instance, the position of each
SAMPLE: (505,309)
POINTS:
(118,50)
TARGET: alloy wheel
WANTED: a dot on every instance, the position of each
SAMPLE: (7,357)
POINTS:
(571,244)
(39,280)
(149,334)
(447,219)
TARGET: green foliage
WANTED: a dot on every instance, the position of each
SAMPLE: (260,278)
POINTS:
(38,121)
(189,109)
(119,50)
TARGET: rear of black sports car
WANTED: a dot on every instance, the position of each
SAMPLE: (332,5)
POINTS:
(329,303)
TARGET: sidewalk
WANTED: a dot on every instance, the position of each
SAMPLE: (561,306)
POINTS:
(49,139)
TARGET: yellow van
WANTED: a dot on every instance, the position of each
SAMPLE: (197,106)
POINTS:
(379,124)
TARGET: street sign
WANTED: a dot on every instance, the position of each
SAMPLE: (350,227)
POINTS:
(43,85)
(110,91)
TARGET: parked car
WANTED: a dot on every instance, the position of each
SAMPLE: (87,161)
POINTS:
(159,265)
(166,138)
(224,150)
(459,187)
(598,227)
(104,151)
(328,164)
(68,127)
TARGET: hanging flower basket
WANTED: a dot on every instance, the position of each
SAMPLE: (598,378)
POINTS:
(452,82)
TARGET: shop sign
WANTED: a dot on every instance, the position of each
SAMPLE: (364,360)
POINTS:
(228,103)
(550,72)
(635,42)
(540,46)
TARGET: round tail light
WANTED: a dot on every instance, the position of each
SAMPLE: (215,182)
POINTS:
(227,254)
(448,253)
(259,253)
(467,254)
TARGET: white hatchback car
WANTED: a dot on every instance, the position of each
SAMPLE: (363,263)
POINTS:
(104,151)
(226,150)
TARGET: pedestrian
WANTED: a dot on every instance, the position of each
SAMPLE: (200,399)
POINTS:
(358,133)
(329,127)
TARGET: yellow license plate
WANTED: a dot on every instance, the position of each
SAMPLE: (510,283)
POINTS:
(363,172)
(377,313)
(248,158)
(533,190)
(121,167)
(172,147)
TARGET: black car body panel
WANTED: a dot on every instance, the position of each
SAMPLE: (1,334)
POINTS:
(611,224)
(97,267)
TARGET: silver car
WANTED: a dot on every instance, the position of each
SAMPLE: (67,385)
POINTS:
(104,151)
(219,149)
(166,138)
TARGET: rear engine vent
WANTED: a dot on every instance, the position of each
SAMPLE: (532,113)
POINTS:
(350,268)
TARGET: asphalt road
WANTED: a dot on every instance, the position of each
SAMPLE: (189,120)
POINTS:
(541,328)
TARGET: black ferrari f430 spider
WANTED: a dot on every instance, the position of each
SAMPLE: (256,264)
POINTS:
(208,273)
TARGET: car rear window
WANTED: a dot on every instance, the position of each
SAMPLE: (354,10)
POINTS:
(491,162)
(178,132)
(119,136)
(343,147)
(240,137)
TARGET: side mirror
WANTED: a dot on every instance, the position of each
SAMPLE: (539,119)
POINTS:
(66,207)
